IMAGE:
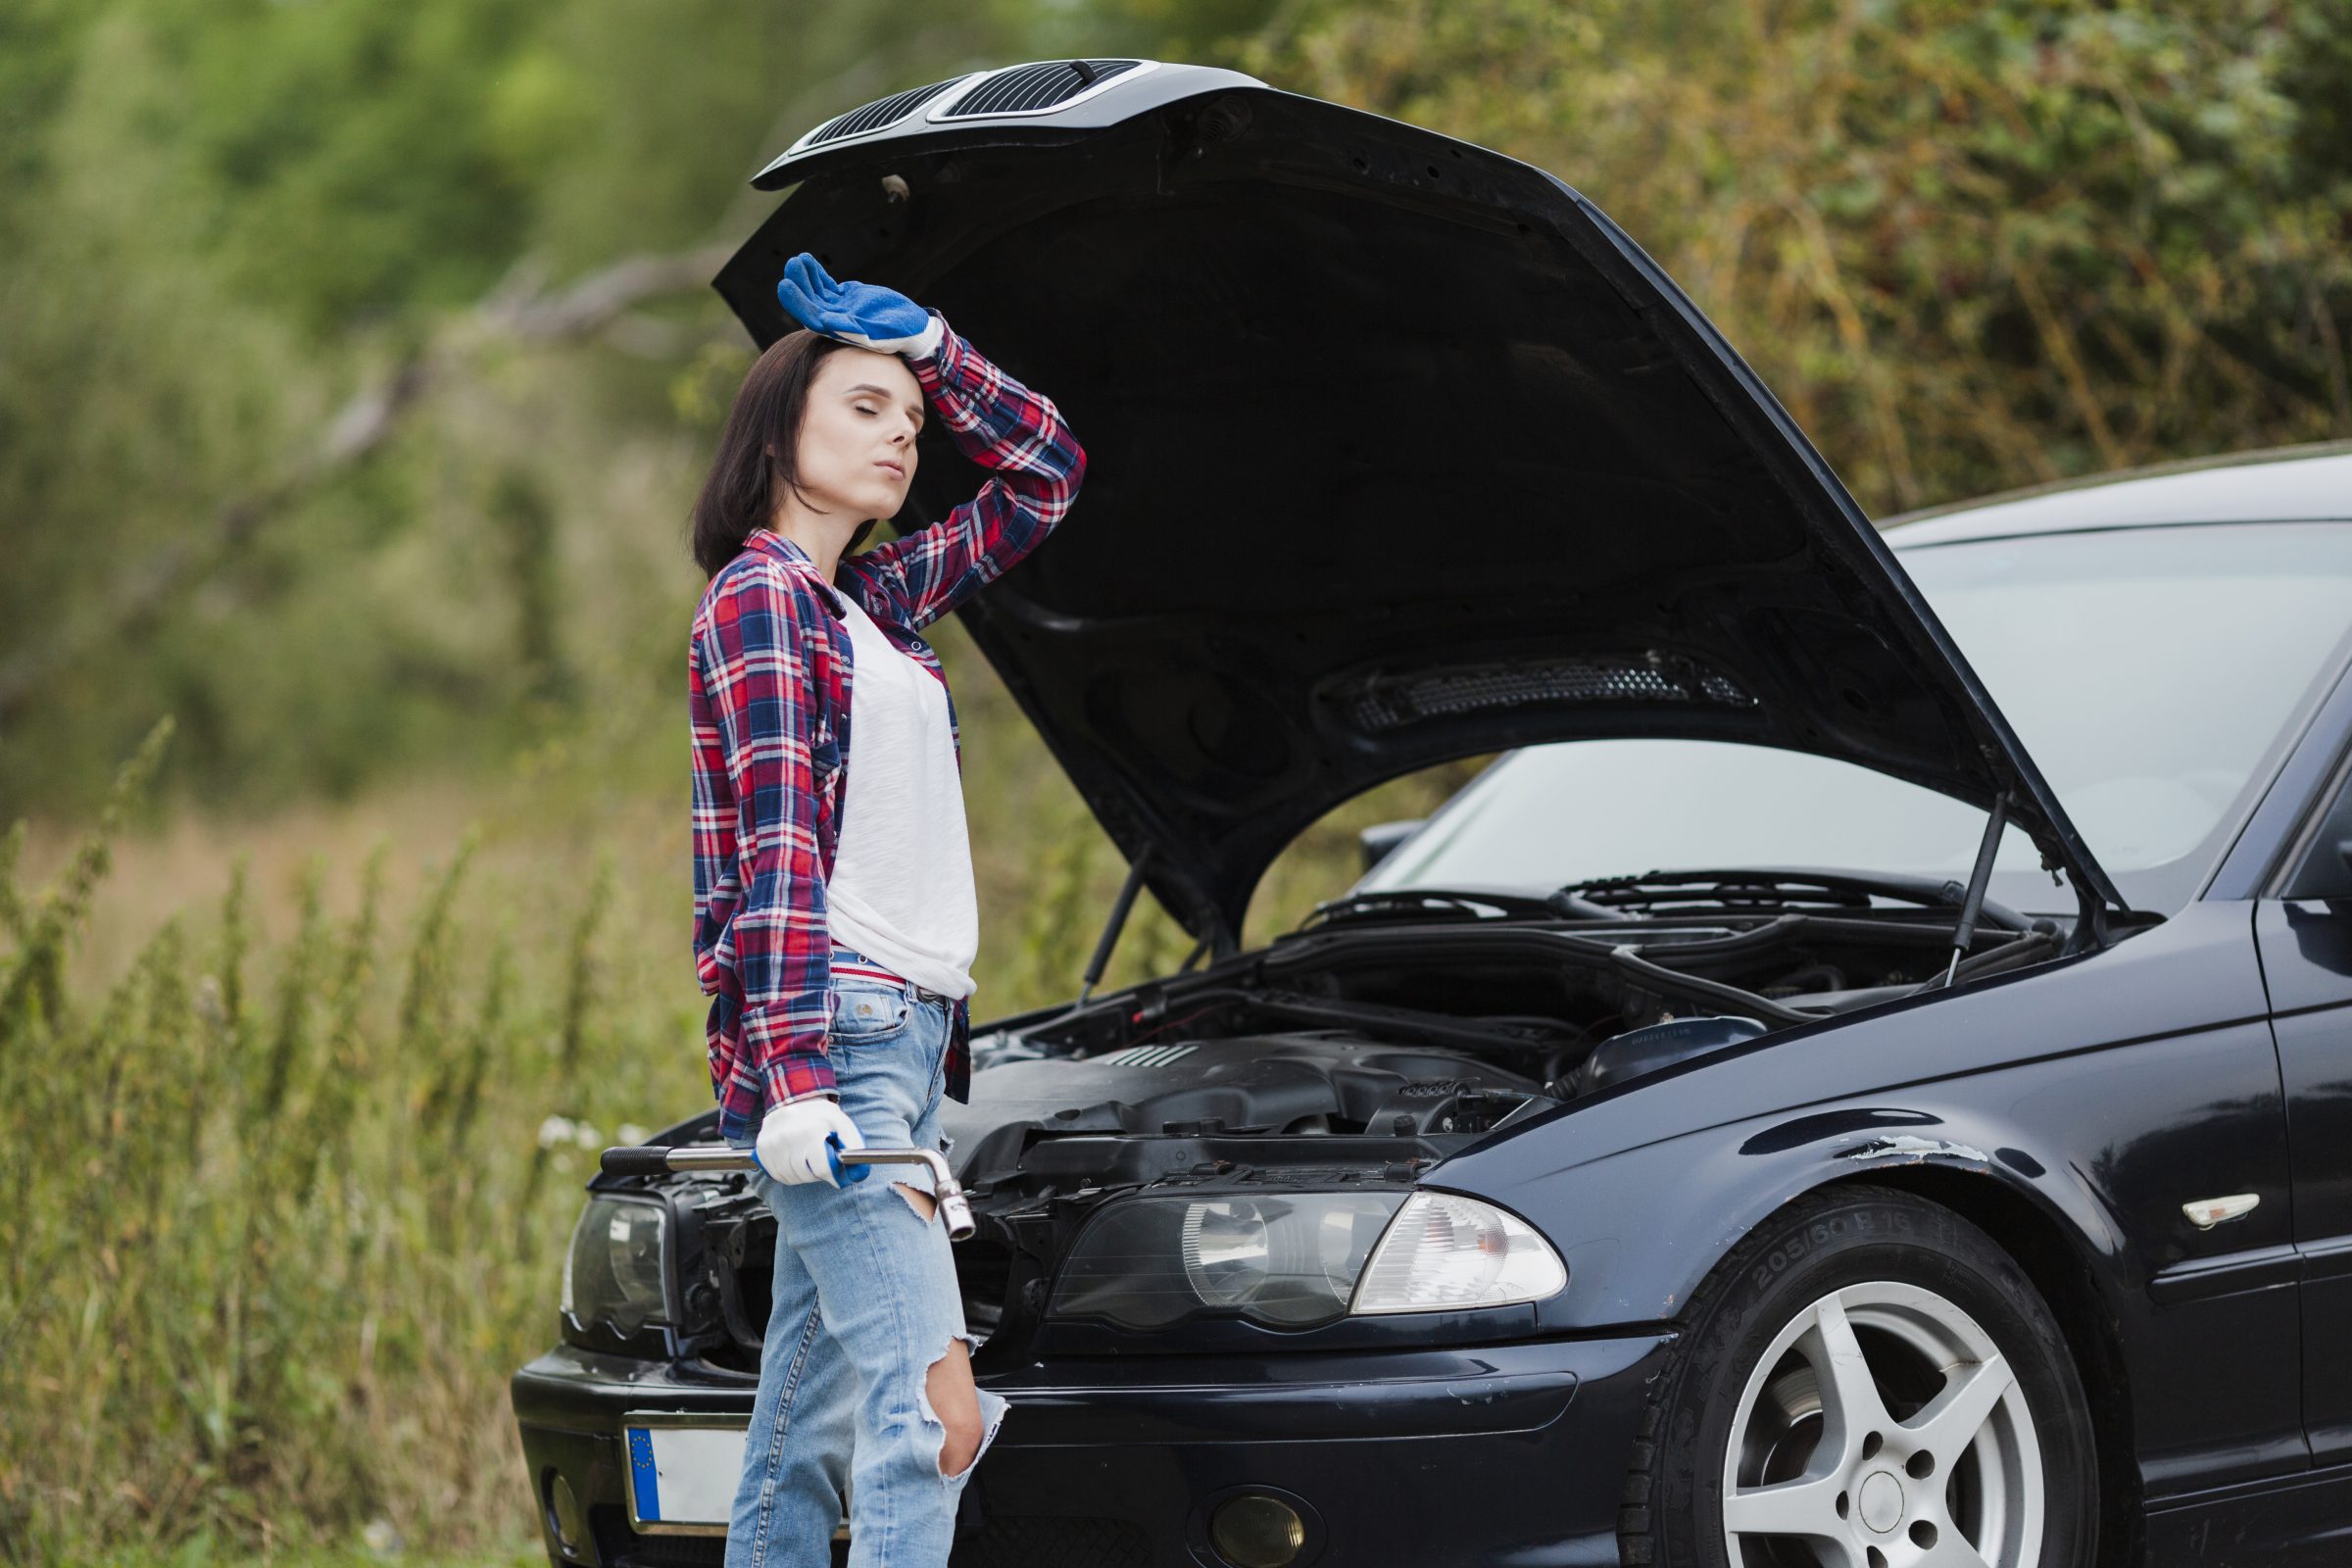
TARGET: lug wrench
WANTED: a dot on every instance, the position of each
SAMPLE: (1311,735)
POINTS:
(955,1209)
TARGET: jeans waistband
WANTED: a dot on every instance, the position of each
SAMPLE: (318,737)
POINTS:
(848,962)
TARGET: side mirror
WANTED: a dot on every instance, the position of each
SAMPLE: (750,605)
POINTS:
(1382,837)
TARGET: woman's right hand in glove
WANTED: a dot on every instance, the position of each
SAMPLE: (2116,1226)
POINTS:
(791,1146)
(866,314)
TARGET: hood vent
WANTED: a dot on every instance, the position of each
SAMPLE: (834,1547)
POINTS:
(1385,703)
(878,114)
(1034,89)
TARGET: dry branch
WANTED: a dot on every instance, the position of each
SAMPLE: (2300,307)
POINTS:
(520,309)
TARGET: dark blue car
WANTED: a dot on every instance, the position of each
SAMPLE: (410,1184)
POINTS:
(1864,1080)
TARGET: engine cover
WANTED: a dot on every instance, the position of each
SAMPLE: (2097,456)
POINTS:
(1305,1084)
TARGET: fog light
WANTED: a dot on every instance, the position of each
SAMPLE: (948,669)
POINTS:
(1253,1531)
(563,1512)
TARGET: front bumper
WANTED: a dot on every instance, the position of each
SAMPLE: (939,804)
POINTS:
(1490,1455)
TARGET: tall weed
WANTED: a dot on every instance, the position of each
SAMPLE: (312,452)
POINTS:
(279,1223)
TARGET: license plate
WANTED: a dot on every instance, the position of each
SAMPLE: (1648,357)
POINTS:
(683,1477)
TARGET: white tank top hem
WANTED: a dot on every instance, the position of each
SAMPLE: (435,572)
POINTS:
(901,890)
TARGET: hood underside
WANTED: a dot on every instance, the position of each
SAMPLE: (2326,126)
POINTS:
(1398,451)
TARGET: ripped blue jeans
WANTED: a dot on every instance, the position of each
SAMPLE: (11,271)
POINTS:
(865,1300)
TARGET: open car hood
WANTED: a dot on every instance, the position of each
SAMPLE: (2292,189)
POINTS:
(1398,451)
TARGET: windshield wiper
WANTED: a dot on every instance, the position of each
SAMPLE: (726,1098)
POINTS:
(1470,904)
(1768,890)
(1754,890)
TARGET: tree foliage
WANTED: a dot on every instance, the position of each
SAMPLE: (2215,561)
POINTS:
(225,219)
(1970,245)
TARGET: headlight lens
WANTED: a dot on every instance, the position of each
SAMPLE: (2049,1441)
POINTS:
(1448,1252)
(1288,1259)
(620,1258)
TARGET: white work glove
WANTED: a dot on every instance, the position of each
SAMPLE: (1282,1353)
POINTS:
(792,1148)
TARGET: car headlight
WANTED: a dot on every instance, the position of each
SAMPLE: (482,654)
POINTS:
(1444,1250)
(620,1258)
(1298,1260)
(1288,1259)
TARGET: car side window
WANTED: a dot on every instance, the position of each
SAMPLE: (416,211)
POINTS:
(2326,868)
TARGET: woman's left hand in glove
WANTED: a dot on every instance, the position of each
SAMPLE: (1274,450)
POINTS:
(864,313)
(792,1138)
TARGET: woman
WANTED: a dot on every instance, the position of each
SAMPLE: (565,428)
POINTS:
(835,922)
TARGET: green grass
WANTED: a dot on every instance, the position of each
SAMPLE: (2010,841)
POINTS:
(207,1552)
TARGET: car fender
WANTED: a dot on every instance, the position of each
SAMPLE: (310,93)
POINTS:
(2075,1094)
(1641,1230)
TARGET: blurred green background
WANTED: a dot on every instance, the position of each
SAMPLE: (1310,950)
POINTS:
(358,367)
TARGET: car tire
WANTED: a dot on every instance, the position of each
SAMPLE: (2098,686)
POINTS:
(1865,1377)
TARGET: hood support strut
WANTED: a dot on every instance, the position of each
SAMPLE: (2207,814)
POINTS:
(1109,939)
(1973,904)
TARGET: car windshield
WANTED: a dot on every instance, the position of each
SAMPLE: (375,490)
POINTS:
(2151,673)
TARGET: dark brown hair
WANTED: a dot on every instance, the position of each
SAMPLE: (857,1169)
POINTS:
(739,493)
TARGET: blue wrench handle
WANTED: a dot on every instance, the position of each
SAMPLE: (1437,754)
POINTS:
(843,1173)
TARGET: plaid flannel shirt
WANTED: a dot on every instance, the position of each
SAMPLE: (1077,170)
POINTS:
(768,681)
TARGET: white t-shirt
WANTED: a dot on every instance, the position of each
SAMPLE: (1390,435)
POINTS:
(902,891)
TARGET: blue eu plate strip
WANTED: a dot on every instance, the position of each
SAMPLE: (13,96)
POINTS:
(643,1476)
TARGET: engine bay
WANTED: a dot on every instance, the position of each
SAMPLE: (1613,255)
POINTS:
(1423,1030)
(1307,1083)
(1350,1057)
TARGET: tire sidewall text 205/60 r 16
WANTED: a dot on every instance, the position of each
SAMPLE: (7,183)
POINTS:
(1867,1380)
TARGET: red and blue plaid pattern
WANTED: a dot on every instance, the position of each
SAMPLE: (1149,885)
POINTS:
(768,677)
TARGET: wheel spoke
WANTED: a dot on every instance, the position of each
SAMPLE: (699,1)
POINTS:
(1951,1550)
(1791,1509)
(1953,1418)
(1850,1404)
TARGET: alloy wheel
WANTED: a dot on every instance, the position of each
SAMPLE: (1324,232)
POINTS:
(1883,1428)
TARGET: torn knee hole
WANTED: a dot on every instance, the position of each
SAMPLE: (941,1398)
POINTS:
(916,1199)
(951,1401)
